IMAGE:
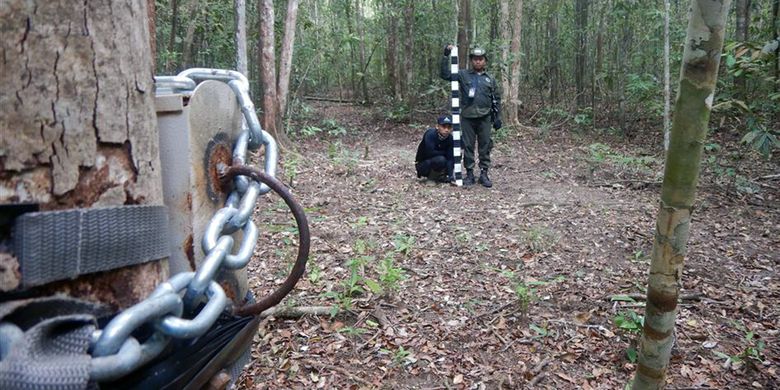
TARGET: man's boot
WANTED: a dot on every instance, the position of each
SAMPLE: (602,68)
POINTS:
(484,179)
(469,180)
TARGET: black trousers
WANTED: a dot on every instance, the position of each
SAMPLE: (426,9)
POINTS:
(434,166)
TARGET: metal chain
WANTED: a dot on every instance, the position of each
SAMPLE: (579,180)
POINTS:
(115,352)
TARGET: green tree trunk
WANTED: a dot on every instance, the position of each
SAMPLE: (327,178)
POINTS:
(701,58)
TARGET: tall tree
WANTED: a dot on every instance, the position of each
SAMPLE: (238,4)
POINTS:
(285,62)
(743,36)
(667,79)
(506,37)
(359,18)
(553,54)
(776,27)
(270,118)
(78,126)
(169,62)
(464,31)
(512,104)
(408,74)
(581,20)
(241,56)
(701,58)
(393,80)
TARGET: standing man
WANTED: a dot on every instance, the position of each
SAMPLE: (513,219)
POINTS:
(481,109)
(434,158)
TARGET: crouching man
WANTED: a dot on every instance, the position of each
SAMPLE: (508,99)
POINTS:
(434,158)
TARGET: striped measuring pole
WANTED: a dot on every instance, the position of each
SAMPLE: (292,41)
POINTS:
(458,169)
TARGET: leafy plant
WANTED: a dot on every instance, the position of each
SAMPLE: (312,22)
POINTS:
(629,321)
(401,356)
(760,138)
(389,274)
(539,239)
(403,243)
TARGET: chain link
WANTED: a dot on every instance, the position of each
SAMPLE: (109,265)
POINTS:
(115,352)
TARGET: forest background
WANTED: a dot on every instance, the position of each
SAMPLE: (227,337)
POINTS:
(597,65)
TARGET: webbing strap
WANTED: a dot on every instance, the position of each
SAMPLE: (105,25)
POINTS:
(58,245)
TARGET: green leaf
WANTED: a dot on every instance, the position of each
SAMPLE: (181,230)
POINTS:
(730,60)
(541,331)
(373,286)
(632,355)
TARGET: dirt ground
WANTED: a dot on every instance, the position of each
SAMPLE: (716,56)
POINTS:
(525,285)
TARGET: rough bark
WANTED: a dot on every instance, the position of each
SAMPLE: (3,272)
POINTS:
(151,20)
(512,105)
(241,56)
(78,128)
(701,58)
(776,24)
(286,55)
(581,20)
(270,117)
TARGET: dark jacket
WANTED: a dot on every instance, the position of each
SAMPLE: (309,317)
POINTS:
(485,91)
(431,146)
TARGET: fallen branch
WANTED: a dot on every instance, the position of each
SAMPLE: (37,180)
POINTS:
(296,311)
(768,177)
(333,100)
(339,370)
(643,297)
(618,182)
(537,372)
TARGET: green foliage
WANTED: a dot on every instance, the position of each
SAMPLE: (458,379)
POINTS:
(646,92)
(629,321)
(290,166)
(334,128)
(539,239)
(761,138)
(753,349)
(390,275)
(403,243)
(599,153)
(400,356)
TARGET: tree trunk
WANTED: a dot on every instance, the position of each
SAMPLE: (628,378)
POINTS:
(581,20)
(393,81)
(241,57)
(701,58)
(464,31)
(511,106)
(743,29)
(359,28)
(270,118)
(189,37)
(506,37)
(78,128)
(169,59)
(776,24)
(288,46)
(408,74)
(151,20)
(553,52)
(667,79)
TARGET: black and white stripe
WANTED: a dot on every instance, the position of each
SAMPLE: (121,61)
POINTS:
(458,171)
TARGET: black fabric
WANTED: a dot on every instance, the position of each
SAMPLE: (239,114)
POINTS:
(183,359)
(434,153)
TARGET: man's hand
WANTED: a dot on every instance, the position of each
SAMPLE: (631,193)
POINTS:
(447,50)
(497,124)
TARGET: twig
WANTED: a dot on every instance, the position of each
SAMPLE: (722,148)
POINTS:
(539,367)
(767,177)
(611,184)
(537,379)
(494,311)
(339,370)
(295,312)
(643,297)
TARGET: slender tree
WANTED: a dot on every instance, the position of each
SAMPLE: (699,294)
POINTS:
(511,105)
(286,55)
(241,56)
(667,79)
(581,20)
(464,31)
(271,120)
(701,58)
(743,36)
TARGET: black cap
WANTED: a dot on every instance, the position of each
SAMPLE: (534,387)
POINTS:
(445,120)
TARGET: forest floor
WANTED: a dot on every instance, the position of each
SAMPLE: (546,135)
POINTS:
(525,285)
